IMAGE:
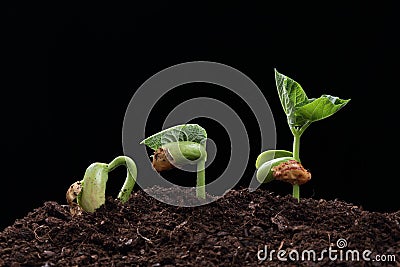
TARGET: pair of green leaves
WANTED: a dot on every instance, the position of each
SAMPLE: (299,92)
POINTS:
(299,108)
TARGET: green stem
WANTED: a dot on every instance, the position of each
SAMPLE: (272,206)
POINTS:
(296,147)
(296,192)
(130,180)
(304,127)
(201,179)
(297,132)
(296,155)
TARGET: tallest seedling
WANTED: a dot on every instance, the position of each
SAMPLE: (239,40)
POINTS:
(300,111)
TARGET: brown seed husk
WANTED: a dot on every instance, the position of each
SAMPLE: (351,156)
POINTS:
(161,160)
(72,193)
(292,172)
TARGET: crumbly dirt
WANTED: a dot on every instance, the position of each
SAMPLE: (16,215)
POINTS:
(227,232)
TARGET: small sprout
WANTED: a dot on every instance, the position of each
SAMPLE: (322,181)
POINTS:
(301,111)
(90,192)
(179,146)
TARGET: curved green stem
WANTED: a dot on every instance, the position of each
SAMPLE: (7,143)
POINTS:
(93,192)
(201,179)
(304,127)
(180,145)
(186,152)
(130,179)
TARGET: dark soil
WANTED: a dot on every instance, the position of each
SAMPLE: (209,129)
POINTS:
(228,232)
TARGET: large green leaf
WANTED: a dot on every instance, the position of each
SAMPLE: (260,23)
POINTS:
(291,95)
(299,120)
(320,108)
(186,132)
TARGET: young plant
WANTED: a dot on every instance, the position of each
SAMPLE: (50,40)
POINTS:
(300,111)
(178,146)
(90,192)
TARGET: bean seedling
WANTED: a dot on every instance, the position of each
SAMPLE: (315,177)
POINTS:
(178,146)
(90,192)
(300,111)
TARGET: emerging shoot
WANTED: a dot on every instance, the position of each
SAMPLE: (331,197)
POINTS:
(178,146)
(90,192)
(300,111)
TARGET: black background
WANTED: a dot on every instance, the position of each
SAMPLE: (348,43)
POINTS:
(72,70)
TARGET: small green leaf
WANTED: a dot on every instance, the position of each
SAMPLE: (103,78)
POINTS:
(186,132)
(93,193)
(291,95)
(320,108)
(265,172)
(270,155)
